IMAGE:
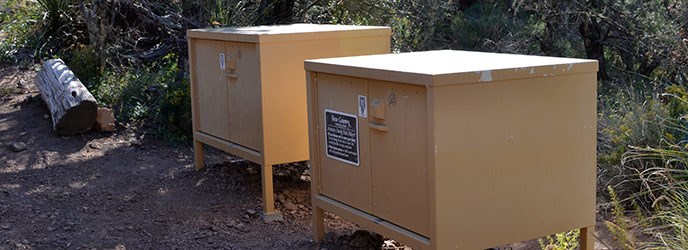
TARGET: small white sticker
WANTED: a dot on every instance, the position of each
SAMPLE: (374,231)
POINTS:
(222,61)
(362,106)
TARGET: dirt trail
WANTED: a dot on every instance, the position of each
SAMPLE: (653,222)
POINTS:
(125,190)
(104,190)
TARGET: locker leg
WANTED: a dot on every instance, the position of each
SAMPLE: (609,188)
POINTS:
(269,213)
(318,224)
(587,241)
(198,155)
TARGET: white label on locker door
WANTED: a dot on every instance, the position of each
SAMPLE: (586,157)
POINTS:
(222,61)
(362,106)
(341,136)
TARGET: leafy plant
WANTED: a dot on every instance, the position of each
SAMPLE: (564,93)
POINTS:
(85,63)
(175,108)
(55,9)
(620,228)
(18,25)
(561,241)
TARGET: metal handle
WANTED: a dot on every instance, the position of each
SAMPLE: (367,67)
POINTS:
(378,127)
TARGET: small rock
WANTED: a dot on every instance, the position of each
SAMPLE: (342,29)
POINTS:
(231,224)
(280,198)
(21,84)
(241,227)
(18,146)
(136,143)
(251,212)
(94,146)
(290,206)
(46,116)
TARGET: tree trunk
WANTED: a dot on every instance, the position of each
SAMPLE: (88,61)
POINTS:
(72,107)
(593,36)
(594,46)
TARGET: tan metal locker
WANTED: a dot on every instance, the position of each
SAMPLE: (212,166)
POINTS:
(248,88)
(457,150)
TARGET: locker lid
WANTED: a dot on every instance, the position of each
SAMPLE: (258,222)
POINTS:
(450,67)
(290,32)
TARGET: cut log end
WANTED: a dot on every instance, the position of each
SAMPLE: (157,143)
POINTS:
(78,119)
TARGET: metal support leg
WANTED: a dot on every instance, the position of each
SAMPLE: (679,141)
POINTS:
(269,213)
(198,155)
(587,240)
(318,224)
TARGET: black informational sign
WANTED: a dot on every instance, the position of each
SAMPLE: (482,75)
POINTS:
(341,136)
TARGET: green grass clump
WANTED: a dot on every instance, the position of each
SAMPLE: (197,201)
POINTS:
(664,180)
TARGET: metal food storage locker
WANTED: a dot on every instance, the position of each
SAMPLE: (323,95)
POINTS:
(454,149)
(248,88)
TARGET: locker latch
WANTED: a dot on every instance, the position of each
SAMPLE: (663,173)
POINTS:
(378,110)
(232,64)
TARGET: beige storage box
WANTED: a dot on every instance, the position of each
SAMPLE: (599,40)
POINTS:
(454,149)
(249,93)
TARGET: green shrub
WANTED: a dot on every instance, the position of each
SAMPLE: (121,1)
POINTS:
(175,109)
(561,241)
(19,21)
(83,60)
(153,95)
(664,180)
(629,119)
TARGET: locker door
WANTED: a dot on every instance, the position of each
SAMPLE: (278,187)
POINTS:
(212,88)
(398,152)
(343,135)
(243,84)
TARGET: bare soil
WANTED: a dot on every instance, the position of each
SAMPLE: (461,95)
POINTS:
(128,190)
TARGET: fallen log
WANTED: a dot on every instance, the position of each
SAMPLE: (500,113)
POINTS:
(72,107)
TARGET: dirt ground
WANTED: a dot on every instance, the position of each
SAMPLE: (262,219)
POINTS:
(126,190)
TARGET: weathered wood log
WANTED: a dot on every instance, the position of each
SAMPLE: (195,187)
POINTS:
(72,107)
